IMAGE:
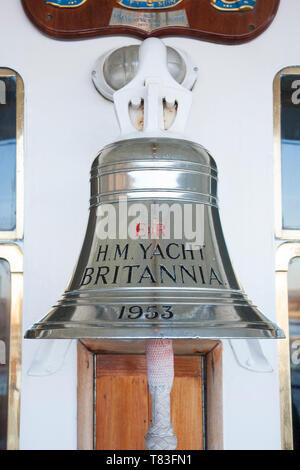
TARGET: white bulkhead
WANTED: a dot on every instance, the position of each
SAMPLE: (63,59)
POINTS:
(67,122)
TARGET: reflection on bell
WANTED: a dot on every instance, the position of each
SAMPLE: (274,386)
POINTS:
(141,274)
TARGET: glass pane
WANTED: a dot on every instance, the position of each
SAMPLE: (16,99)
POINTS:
(7,153)
(290,151)
(294,321)
(4,347)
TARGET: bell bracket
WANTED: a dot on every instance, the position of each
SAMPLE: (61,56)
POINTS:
(150,85)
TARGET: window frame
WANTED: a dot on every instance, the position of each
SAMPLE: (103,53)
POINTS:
(280,232)
(14,256)
(18,232)
(285,253)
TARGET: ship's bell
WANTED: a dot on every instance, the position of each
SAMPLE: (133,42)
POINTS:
(154,262)
(150,285)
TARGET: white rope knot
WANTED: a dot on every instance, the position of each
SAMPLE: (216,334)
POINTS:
(160,374)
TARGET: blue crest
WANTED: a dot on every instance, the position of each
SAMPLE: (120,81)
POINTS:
(237,5)
(66,3)
(148,5)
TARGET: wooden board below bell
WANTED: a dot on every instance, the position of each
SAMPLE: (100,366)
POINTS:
(123,404)
(113,389)
(199,19)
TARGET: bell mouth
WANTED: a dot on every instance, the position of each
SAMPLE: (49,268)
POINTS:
(118,333)
(195,314)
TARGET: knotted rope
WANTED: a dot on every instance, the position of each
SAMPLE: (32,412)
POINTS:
(160,373)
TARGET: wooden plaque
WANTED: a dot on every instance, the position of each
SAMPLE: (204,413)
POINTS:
(220,21)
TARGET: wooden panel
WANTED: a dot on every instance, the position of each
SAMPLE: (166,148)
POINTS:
(136,365)
(122,412)
(108,364)
(181,347)
(205,22)
(186,412)
(214,398)
(85,399)
(124,405)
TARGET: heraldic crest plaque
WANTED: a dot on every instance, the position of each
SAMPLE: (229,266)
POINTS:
(220,21)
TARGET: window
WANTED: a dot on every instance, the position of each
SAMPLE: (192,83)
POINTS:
(11,258)
(294,332)
(11,293)
(11,155)
(287,227)
(287,152)
(288,316)
(4,348)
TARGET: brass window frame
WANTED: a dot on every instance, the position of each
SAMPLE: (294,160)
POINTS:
(285,253)
(17,233)
(280,232)
(14,256)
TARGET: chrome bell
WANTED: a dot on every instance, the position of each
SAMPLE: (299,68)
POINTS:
(153,286)
(154,262)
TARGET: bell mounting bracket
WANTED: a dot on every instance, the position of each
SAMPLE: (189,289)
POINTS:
(150,86)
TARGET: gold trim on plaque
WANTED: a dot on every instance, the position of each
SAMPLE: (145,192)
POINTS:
(285,253)
(17,234)
(14,256)
(279,231)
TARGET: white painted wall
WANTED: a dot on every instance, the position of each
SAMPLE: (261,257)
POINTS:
(67,122)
